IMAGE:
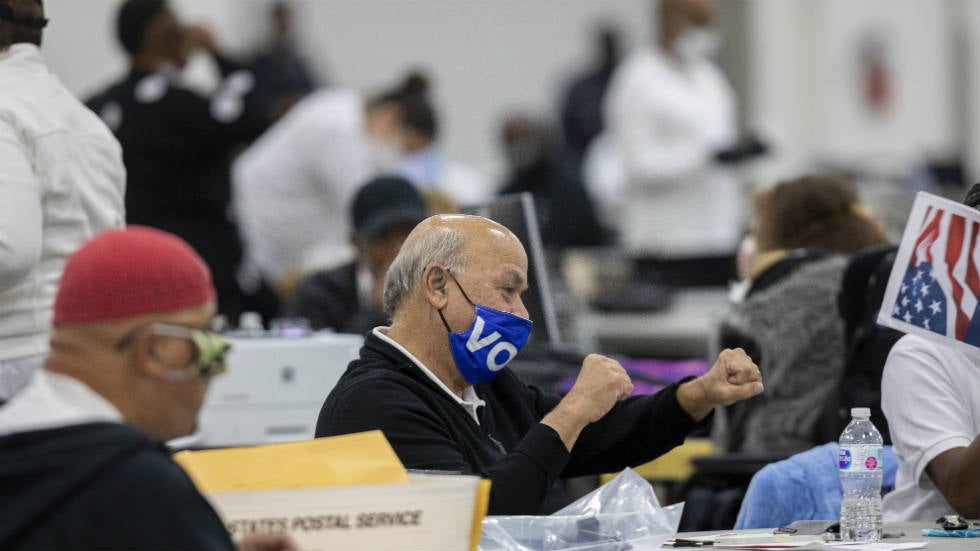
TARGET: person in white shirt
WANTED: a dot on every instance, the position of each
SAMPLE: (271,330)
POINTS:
(669,111)
(293,186)
(930,393)
(62,180)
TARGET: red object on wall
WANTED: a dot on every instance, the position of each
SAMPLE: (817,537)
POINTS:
(876,75)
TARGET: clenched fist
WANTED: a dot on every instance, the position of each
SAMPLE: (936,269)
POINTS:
(734,377)
(600,384)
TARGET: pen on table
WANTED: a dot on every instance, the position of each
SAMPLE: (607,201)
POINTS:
(687,543)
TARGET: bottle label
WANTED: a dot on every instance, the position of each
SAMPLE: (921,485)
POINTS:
(860,458)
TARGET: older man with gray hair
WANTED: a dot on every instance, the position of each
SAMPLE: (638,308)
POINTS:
(436,384)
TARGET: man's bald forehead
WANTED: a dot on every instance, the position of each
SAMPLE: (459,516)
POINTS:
(471,226)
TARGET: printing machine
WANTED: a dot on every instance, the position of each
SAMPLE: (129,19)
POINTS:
(273,389)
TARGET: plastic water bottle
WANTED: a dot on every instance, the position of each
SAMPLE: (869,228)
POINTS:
(860,478)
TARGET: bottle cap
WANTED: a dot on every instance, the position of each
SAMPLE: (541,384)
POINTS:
(860,412)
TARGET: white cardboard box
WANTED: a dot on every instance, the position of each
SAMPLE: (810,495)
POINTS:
(431,512)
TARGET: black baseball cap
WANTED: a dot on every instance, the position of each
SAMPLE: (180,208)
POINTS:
(385,201)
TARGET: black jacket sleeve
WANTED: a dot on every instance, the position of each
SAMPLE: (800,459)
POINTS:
(636,430)
(227,65)
(215,124)
(522,479)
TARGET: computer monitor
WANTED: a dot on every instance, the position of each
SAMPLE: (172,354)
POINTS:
(516,212)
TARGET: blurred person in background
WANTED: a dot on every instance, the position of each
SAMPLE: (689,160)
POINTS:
(423,162)
(61,181)
(348,298)
(566,216)
(787,319)
(178,145)
(581,112)
(669,110)
(282,76)
(294,184)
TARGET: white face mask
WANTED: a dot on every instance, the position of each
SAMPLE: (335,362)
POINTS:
(384,155)
(698,43)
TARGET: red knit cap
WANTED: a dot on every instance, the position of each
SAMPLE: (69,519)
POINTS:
(123,273)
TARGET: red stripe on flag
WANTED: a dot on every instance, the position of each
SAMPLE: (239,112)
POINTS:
(954,247)
(927,235)
(972,278)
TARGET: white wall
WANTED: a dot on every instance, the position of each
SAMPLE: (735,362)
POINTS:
(485,57)
(967,17)
(80,44)
(917,40)
(807,85)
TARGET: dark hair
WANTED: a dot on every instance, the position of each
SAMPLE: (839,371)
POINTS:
(133,18)
(412,97)
(21,21)
(815,212)
(418,115)
(973,197)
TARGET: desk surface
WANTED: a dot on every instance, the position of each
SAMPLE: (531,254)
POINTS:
(681,330)
(912,532)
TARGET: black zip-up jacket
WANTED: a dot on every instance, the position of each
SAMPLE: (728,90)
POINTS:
(524,459)
(100,486)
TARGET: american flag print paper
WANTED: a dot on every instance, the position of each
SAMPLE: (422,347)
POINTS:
(934,286)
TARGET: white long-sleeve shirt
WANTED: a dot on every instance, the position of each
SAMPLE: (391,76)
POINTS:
(294,185)
(62,180)
(666,117)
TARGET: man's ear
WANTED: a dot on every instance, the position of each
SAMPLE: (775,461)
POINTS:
(144,357)
(435,285)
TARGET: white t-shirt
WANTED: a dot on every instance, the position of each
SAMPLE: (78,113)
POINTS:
(930,394)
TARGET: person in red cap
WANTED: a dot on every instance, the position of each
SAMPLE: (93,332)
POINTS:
(82,459)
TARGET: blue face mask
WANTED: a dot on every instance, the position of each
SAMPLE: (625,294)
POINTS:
(490,343)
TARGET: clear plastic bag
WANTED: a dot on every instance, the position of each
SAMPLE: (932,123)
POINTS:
(622,514)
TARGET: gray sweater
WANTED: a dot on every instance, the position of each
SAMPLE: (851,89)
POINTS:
(792,330)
